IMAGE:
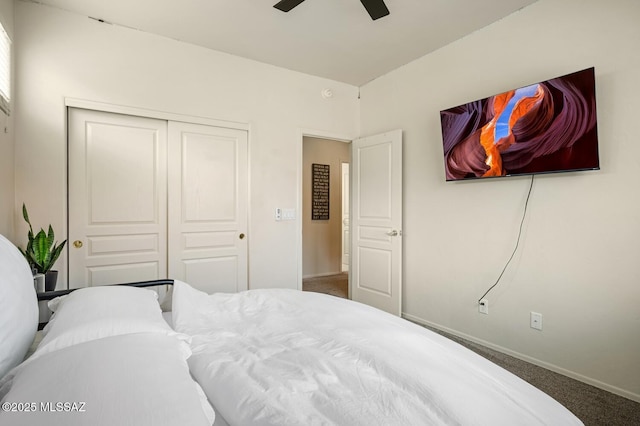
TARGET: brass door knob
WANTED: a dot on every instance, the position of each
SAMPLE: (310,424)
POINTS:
(241,236)
(77,243)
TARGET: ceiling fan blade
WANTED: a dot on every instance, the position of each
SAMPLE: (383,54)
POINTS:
(376,8)
(287,5)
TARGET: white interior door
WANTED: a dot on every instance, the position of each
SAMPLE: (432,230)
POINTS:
(117,198)
(208,197)
(345,217)
(376,221)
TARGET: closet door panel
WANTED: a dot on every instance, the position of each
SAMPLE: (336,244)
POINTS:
(208,197)
(117,198)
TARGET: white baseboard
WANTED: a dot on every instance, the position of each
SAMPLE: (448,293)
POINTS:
(328,274)
(588,380)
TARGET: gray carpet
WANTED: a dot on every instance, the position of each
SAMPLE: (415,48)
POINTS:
(336,285)
(592,405)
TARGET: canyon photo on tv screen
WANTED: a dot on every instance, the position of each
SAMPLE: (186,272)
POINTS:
(546,127)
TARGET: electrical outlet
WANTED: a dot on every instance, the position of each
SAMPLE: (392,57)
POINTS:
(536,321)
(483,306)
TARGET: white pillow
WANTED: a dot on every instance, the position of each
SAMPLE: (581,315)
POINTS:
(188,306)
(97,312)
(18,307)
(134,379)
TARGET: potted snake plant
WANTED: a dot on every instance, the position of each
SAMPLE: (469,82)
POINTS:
(42,251)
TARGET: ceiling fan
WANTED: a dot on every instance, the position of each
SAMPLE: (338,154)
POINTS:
(376,8)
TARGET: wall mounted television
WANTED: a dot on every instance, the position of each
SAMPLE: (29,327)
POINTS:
(547,127)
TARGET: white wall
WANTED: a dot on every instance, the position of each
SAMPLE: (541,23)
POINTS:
(7,187)
(322,239)
(65,55)
(578,260)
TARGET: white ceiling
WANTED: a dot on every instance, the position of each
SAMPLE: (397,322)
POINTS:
(335,39)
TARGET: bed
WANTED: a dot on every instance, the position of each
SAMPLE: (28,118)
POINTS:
(107,357)
(259,357)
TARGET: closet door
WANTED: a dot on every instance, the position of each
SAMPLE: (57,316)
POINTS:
(117,198)
(208,197)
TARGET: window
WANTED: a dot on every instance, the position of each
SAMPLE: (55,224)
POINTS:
(5,70)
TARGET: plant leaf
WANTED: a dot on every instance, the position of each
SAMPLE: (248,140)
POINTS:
(41,251)
(25,215)
(31,261)
(50,237)
(56,252)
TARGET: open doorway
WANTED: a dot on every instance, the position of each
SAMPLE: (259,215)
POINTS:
(325,209)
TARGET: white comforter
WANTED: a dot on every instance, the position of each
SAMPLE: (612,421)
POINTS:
(284,357)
